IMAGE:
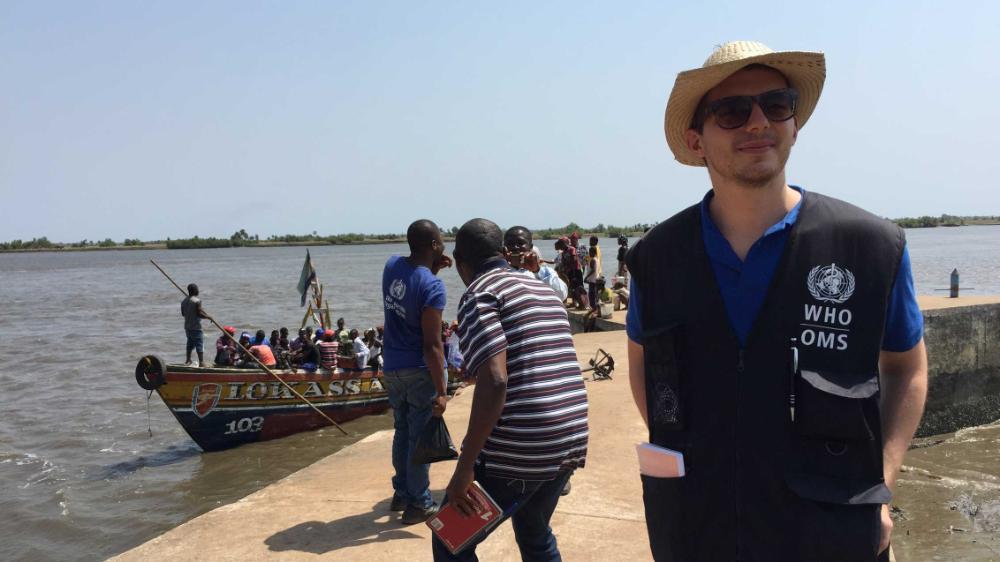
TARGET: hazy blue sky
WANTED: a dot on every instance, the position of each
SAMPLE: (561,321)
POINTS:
(149,120)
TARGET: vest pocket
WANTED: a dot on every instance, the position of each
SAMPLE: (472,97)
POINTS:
(832,406)
(835,475)
(663,499)
(836,456)
(664,401)
(824,532)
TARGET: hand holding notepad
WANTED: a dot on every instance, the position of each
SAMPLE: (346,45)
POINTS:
(456,531)
(659,462)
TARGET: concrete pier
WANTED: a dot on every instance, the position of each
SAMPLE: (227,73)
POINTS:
(338,508)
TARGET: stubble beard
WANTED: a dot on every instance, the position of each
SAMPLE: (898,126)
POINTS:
(755,175)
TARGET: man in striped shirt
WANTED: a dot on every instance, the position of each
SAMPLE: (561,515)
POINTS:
(528,426)
(328,349)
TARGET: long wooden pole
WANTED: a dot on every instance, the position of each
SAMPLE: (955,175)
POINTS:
(254,357)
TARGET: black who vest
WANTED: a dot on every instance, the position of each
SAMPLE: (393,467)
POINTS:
(762,482)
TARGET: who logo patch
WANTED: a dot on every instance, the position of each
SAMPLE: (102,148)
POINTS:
(397,289)
(830,283)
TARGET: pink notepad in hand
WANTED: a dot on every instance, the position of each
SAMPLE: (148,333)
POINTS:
(660,462)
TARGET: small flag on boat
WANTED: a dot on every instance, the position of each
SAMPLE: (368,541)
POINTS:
(306,278)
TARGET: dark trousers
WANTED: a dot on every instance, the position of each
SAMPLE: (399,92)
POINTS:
(529,504)
(592,295)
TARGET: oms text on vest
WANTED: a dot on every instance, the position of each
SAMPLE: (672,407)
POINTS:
(824,325)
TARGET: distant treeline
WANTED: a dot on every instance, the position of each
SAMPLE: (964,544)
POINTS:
(43,243)
(243,238)
(543,234)
(945,220)
(609,230)
(349,238)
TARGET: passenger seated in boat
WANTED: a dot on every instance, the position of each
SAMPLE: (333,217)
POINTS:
(264,354)
(375,349)
(283,339)
(307,356)
(225,349)
(346,345)
(274,340)
(260,338)
(296,344)
(341,332)
(244,360)
(361,351)
(328,351)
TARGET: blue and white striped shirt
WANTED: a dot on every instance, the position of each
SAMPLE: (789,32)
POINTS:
(542,429)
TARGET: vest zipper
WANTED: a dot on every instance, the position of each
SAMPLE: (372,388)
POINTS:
(736,461)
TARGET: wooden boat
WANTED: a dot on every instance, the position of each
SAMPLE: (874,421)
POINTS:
(223,407)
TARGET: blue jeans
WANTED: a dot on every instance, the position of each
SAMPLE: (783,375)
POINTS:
(529,504)
(410,394)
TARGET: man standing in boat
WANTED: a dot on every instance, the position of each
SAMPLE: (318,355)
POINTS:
(192,313)
(774,336)
(413,355)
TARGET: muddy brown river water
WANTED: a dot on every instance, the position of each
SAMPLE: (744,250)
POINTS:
(948,497)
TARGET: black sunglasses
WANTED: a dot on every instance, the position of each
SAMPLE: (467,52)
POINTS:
(734,112)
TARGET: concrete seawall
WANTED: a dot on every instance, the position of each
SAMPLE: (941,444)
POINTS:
(963,350)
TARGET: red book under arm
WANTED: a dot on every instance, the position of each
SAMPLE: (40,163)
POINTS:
(456,530)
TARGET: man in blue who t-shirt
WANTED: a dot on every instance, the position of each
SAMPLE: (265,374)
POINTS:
(415,375)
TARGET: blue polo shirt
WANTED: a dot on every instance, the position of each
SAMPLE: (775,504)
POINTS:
(406,292)
(744,284)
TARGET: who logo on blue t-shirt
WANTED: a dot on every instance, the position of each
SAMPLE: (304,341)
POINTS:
(397,289)
(406,291)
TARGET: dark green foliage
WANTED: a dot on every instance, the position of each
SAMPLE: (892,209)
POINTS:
(33,244)
(944,220)
(198,243)
(607,230)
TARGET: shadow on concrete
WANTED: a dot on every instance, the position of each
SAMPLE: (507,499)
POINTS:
(317,537)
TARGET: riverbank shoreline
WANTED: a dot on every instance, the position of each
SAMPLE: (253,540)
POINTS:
(161,245)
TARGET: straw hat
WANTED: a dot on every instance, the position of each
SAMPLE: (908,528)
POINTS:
(805,72)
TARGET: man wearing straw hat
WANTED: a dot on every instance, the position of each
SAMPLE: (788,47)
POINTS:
(775,340)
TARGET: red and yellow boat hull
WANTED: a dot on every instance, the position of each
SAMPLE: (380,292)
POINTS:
(223,407)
